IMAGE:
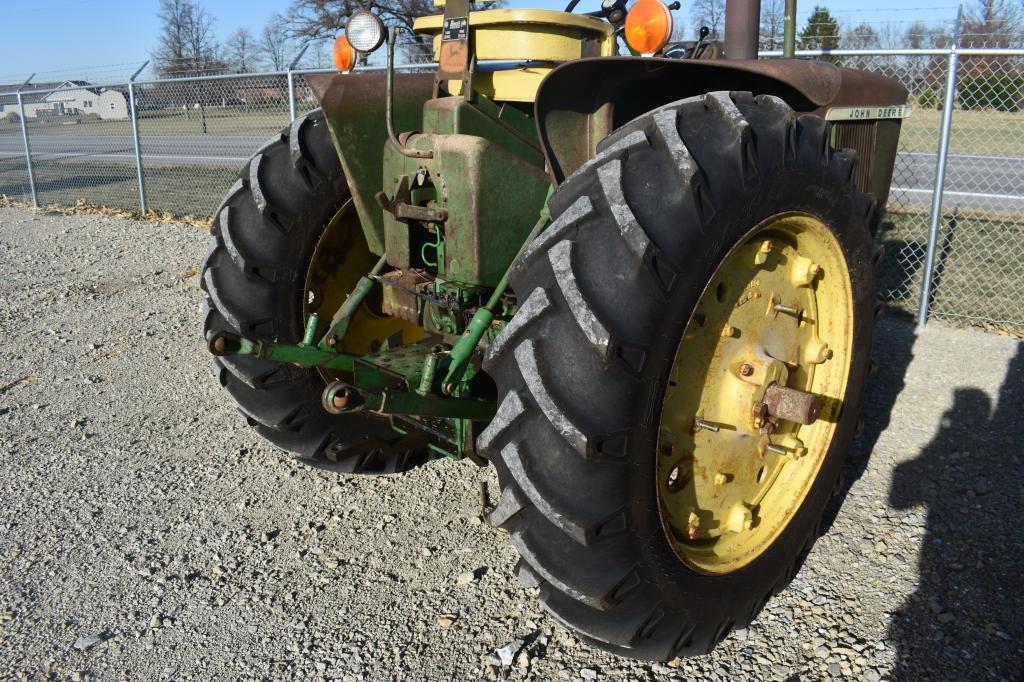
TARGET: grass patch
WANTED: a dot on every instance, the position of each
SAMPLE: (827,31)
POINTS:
(977,267)
(219,121)
(984,133)
(175,190)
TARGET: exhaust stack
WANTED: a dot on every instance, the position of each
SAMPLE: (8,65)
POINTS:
(742,27)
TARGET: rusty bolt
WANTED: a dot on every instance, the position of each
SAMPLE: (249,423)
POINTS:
(721,479)
(728,330)
(693,523)
(759,410)
(792,404)
(828,354)
(800,452)
(746,369)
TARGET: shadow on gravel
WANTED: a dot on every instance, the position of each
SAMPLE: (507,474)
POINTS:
(963,622)
(893,350)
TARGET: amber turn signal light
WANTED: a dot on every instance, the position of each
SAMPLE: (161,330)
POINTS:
(344,54)
(648,26)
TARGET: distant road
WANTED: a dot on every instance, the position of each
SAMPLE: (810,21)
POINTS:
(218,151)
(993,183)
(990,183)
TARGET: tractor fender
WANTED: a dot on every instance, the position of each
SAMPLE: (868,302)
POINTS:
(354,107)
(581,102)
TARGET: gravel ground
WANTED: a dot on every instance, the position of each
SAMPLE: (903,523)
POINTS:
(146,533)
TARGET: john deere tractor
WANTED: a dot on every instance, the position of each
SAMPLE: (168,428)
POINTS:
(634,276)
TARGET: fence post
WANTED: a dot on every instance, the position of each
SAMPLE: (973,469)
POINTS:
(135,135)
(291,81)
(940,175)
(24,140)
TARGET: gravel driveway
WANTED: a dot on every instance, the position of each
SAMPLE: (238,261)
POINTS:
(146,533)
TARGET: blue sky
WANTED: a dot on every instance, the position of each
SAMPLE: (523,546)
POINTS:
(104,38)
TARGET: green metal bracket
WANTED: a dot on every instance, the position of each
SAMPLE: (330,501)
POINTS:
(405,402)
(343,318)
(481,322)
(303,355)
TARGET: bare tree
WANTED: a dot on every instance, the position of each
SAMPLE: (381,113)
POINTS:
(993,23)
(240,50)
(773,14)
(710,13)
(679,28)
(275,44)
(927,73)
(861,37)
(324,19)
(187,46)
(169,56)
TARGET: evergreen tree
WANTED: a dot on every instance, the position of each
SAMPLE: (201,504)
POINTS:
(821,32)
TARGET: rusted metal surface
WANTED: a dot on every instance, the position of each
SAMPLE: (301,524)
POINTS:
(791,404)
(354,105)
(579,103)
(742,24)
(402,290)
(455,53)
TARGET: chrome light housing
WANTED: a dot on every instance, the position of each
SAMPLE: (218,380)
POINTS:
(365,31)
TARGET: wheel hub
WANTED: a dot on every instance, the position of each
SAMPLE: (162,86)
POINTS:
(341,257)
(754,393)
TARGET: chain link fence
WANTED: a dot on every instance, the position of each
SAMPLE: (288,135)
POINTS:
(195,134)
(977,272)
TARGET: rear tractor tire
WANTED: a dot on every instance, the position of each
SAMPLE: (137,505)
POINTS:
(712,248)
(286,242)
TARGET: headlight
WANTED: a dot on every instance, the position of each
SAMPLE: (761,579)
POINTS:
(365,31)
(648,26)
(344,55)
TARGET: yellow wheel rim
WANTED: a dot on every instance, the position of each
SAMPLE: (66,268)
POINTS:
(777,311)
(341,257)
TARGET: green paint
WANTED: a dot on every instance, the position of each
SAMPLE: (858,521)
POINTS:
(484,317)
(343,318)
(309,338)
(301,355)
(478,150)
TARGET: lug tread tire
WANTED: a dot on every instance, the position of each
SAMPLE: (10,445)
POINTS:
(263,237)
(576,368)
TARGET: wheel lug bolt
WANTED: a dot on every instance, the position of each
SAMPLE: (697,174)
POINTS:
(693,525)
(699,424)
(788,309)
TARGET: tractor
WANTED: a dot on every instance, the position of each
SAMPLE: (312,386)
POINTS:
(634,276)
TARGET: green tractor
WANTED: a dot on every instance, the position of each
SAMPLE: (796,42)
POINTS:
(640,286)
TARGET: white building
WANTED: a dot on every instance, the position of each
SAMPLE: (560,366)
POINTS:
(70,98)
